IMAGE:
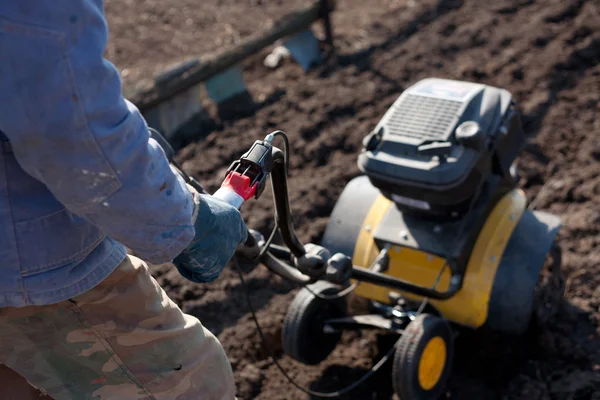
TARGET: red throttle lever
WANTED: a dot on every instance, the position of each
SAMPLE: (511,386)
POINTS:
(247,176)
(236,189)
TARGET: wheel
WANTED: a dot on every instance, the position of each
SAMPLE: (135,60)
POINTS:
(550,289)
(423,359)
(303,336)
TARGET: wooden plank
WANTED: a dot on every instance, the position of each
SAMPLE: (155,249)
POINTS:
(197,74)
(304,49)
(225,85)
(169,116)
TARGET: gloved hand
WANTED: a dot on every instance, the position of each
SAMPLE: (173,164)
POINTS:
(219,230)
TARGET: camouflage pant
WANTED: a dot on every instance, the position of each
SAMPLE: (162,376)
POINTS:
(122,340)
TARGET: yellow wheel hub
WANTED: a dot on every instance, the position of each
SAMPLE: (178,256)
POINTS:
(432,362)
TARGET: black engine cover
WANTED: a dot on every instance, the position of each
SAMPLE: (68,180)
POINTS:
(439,142)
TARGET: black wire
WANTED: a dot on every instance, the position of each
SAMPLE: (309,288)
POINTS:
(286,148)
(336,393)
(268,242)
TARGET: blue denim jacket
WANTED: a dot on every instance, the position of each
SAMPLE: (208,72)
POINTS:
(79,175)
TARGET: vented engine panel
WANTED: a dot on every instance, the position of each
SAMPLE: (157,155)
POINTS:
(423,118)
(434,145)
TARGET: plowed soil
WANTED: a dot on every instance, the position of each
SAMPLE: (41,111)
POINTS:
(547,53)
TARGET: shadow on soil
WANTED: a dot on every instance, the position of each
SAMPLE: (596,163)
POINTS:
(218,315)
(378,386)
(520,363)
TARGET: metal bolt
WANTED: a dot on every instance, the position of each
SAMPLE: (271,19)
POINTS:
(513,217)
(430,258)
(404,235)
(493,258)
(397,249)
(368,228)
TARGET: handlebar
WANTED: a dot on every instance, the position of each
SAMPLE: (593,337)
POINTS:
(245,179)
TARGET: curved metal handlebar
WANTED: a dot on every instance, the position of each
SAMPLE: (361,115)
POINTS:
(273,257)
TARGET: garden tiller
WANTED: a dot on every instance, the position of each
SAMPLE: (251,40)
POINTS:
(435,234)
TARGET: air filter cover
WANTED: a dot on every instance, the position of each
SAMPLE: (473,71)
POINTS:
(435,138)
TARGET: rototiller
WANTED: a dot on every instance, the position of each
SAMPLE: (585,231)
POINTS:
(435,234)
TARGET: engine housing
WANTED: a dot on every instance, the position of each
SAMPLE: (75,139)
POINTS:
(439,142)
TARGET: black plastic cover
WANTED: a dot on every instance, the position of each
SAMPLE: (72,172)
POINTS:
(256,163)
(435,144)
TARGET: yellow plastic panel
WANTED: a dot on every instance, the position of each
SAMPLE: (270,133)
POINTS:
(470,305)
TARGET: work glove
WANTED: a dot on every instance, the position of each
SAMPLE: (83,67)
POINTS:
(219,230)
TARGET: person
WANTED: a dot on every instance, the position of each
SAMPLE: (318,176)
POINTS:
(80,182)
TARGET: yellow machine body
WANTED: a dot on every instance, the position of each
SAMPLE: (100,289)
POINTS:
(469,306)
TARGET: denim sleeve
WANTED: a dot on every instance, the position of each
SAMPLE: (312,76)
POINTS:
(69,126)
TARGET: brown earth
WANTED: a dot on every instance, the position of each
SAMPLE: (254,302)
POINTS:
(148,36)
(546,53)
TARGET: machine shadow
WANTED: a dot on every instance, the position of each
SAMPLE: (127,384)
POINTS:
(377,386)
(220,314)
(503,360)
(485,363)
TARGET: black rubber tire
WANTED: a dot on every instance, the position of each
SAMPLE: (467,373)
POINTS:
(550,289)
(409,349)
(302,335)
